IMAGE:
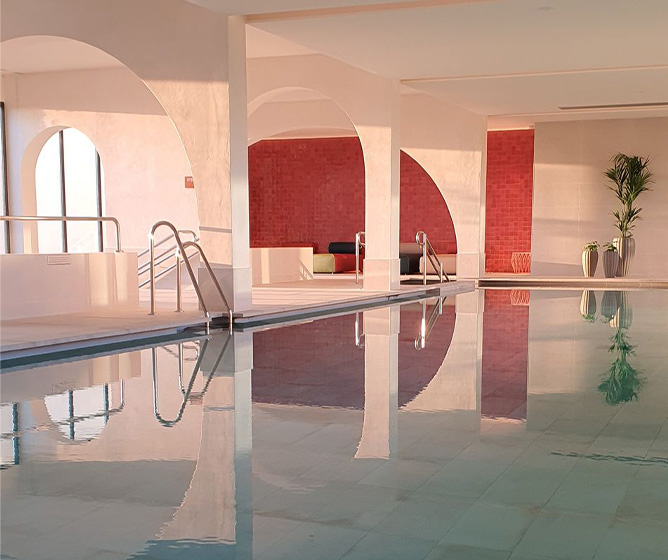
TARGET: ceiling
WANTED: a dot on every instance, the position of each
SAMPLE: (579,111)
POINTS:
(516,60)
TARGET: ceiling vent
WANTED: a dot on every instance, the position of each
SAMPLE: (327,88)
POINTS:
(615,106)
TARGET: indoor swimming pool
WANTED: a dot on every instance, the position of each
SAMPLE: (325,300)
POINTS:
(493,425)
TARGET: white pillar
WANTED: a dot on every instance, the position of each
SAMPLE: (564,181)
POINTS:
(380,142)
(381,374)
(230,245)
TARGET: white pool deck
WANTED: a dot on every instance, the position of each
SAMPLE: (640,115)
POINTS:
(271,303)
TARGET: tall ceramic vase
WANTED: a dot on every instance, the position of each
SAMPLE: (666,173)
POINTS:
(589,263)
(610,263)
(627,250)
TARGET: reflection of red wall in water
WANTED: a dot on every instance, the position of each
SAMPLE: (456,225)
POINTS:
(318,364)
(505,351)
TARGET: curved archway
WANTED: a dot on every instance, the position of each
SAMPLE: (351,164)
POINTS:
(303,191)
(424,207)
(290,112)
(143,154)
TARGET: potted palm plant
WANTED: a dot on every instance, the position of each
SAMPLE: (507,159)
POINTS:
(590,258)
(630,177)
(610,260)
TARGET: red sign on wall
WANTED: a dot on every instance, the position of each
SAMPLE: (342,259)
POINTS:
(190,184)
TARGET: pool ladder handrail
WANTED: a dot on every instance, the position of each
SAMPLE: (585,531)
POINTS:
(162,257)
(428,253)
(181,255)
(359,245)
(65,219)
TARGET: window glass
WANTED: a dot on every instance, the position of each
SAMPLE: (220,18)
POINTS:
(48,192)
(80,192)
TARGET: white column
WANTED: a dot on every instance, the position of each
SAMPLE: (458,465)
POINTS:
(381,370)
(380,143)
(230,245)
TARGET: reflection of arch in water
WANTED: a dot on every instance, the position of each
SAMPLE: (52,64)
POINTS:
(65,410)
(323,356)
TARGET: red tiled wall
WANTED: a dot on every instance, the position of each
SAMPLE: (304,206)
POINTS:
(505,353)
(311,191)
(509,196)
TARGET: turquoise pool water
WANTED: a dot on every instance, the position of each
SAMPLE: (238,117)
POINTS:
(502,424)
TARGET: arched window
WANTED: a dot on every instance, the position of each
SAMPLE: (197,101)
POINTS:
(4,232)
(69,181)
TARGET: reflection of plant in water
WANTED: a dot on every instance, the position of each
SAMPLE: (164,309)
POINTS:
(623,381)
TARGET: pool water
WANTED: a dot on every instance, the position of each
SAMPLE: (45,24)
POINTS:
(500,424)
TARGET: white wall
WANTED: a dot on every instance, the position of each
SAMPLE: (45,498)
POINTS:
(572,206)
(143,158)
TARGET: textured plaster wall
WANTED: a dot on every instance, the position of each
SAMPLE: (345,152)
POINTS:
(509,196)
(572,205)
(311,191)
(143,159)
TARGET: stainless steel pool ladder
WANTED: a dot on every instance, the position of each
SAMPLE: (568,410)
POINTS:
(428,253)
(181,255)
(165,255)
(427,325)
(65,219)
(359,244)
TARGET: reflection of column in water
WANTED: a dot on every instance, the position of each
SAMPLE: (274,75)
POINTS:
(381,366)
(217,504)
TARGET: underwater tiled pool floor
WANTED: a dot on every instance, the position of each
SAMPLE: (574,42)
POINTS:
(535,430)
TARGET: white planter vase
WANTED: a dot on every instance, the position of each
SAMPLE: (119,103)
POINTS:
(626,246)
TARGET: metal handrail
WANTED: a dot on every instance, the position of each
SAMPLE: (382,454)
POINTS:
(159,260)
(358,245)
(429,253)
(69,219)
(164,240)
(182,255)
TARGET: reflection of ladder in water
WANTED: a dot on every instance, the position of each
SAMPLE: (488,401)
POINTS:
(427,325)
(186,391)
